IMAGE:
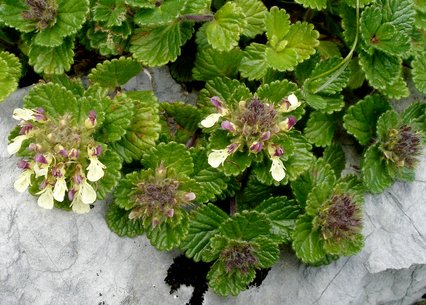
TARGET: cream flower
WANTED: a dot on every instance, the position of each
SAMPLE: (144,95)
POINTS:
(79,207)
(291,103)
(86,193)
(60,189)
(23,181)
(16,144)
(210,120)
(23,114)
(217,157)
(95,169)
(46,198)
(277,169)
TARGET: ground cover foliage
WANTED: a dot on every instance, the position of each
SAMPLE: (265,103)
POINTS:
(258,161)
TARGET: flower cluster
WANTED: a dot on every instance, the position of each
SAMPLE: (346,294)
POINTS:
(159,197)
(239,255)
(253,125)
(60,157)
(42,12)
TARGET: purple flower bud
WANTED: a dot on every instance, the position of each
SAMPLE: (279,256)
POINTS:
(169,213)
(56,172)
(92,116)
(291,120)
(190,196)
(26,129)
(279,151)
(98,150)
(232,147)
(39,114)
(43,184)
(78,178)
(71,194)
(266,136)
(227,126)
(215,100)
(22,164)
(34,147)
(63,153)
(74,153)
(256,147)
(155,222)
(39,158)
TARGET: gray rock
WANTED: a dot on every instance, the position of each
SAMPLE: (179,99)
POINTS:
(55,257)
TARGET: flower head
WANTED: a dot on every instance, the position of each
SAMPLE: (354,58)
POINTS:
(95,170)
(46,197)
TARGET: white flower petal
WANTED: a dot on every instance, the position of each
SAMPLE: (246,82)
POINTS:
(23,114)
(277,169)
(79,207)
(23,181)
(217,157)
(294,102)
(210,120)
(46,198)
(87,193)
(95,169)
(60,189)
(16,143)
(41,169)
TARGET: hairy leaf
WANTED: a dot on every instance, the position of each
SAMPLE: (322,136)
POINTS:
(320,128)
(254,13)
(118,221)
(335,156)
(253,63)
(211,63)
(374,170)
(419,72)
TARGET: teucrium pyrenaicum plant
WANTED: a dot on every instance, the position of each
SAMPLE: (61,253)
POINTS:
(259,160)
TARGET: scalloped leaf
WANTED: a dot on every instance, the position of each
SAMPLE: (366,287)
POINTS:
(228,283)
(317,197)
(211,63)
(157,46)
(109,41)
(112,174)
(374,170)
(314,4)
(282,213)
(320,128)
(52,60)
(229,90)
(359,117)
(331,83)
(399,13)
(141,3)
(415,116)
(386,121)
(296,46)
(114,73)
(345,247)
(254,12)
(380,69)
(144,128)
(165,13)
(325,102)
(277,24)
(246,226)
(110,12)
(320,173)
(253,63)
(172,155)
(198,7)
(11,15)
(212,181)
(307,243)
(419,72)
(118,221)
(301,158)
(126,189)
(74,85)
(169,234)
(224,31)
(398,89)
(203,226)
(276,91)
(10,72)
(335,156)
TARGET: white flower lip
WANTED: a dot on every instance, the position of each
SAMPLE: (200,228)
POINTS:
(23,181)
(23,114)
(95,169)
(217,157)
(79,207)
(277,169)
(46,198)
(60,189)
(87,193)
(16,144)
(210,120)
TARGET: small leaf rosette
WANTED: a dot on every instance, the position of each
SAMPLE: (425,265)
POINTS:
(255,128)
(63,162)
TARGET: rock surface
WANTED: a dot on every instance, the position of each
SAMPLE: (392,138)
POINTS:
(55,257)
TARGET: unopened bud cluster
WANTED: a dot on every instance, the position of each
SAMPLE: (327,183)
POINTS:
(239,255)
(253,125)
(61,158)
(159,198)
(42,12)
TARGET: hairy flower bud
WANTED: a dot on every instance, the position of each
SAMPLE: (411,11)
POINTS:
(240,256)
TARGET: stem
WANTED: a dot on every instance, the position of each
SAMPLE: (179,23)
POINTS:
(191,142)
(343,64)
(233,206)
(197,18)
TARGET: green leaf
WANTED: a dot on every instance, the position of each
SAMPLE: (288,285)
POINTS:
(277,25)
(198,7)
(415,116)
(276,91)
(314,4)
(345,247)
(225,283)
(110,12)
(320,173)
(118,221)
(386,121)
(10,72)
(112,174)
(224,31)
(254,193)
(297,45)
(335,156)
(72,84)
(172,155)
(169,234)
(141,3)
(212,181)
(11,14)
(307,243)
(165,13)
(398,89)
(253,63)
(144,128)
(419,72)
(317,197)
(127,188)
(324,102)
(157,46)
(118,116)
(254,12)
(228,90)
(301,158)
(114,73)
(211,63)
(399,13)
(359,117)
(268,253)
(52,60)
(203,226)
(374,170)
(331,83)
(380,69)
(320,128)
(282,213)
(246,226)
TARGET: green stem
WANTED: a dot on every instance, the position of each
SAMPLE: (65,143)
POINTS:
(197,18)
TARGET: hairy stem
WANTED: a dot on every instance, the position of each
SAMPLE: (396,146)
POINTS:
(197,18)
